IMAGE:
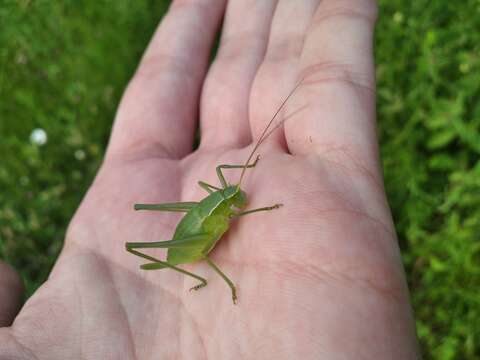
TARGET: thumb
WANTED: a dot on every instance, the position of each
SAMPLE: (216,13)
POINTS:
(11,291)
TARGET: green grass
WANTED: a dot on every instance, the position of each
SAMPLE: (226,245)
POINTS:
(63,66)
(429,115)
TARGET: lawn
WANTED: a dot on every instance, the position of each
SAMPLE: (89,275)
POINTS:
(63,67)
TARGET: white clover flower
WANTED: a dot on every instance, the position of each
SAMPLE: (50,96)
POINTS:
(38,137)
(398,17)
(80,154)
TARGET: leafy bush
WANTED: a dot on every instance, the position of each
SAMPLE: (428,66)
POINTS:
(63,66)
(429,118)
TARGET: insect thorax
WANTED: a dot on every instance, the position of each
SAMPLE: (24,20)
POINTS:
(235,195)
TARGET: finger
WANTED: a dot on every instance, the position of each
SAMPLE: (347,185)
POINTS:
(11,291)
(337,62)
(158,110)
(226,92)
(279,71)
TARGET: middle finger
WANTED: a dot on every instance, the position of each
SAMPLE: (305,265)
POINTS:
(278,73)
(225,98)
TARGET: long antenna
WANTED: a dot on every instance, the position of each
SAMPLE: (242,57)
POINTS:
(280,123)
(264,134)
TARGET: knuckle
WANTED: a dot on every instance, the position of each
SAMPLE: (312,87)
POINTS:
(163,66)
(289,47)
(348,10)
(343,74)
(232,47)
(176,4)
(141,149)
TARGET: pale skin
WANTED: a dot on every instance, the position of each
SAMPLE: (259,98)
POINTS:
(319,278)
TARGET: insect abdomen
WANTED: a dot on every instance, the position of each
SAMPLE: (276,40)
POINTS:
(205,219)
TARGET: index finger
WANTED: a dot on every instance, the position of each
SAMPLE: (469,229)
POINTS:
(157,114)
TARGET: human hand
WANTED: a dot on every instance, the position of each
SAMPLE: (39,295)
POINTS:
(320,278)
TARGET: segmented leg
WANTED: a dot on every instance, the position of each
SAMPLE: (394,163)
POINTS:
(158,264)
(267,208)
(224,277)
(220,167)
(189,241)
(208,187)
(176,207)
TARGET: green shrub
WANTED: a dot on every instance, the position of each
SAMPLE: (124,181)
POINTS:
(63,67)
(429,117)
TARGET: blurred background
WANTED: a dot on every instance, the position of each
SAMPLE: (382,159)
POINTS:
(64,65)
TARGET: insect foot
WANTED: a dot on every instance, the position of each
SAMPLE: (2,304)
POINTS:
(199,286)
(256,161)
(276,206)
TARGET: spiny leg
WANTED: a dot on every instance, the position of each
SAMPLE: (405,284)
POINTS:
(220,167)
(208,187)
(163,264)
(158,264)
(176,207)
(227,280)
(267,208)
(186,242)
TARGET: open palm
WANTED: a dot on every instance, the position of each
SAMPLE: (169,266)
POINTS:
(320,278)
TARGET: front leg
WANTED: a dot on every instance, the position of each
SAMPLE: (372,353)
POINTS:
(208,187)
(220,167)
(267,208)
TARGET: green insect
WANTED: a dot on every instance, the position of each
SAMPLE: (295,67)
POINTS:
(205,222)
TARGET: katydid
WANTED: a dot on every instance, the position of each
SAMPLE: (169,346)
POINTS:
(206,221)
